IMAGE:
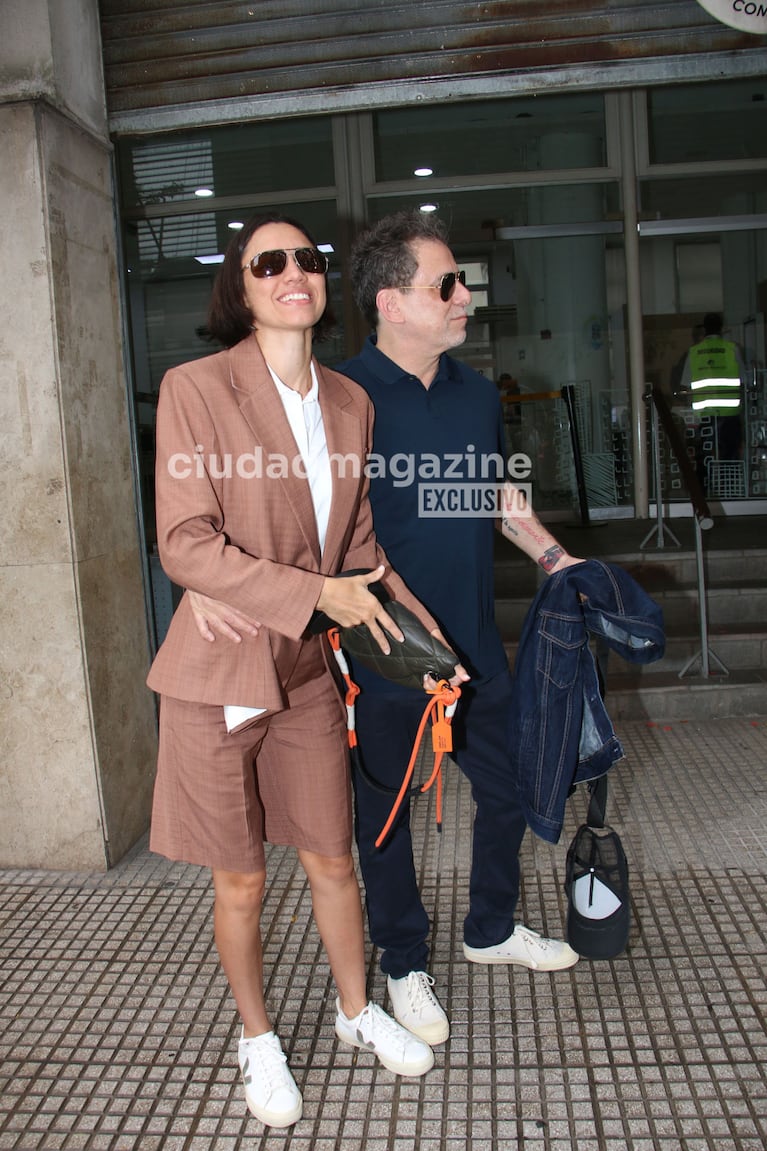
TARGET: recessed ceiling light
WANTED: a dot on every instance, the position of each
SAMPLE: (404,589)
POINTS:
(427,207)
(203,191)
(326,248)
(235,225)
(423,172)
(218,259)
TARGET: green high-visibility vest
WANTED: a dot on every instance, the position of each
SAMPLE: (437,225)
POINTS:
(715,376)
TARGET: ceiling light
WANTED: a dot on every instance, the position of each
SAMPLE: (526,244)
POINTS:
(427,207)
(235,225)
(423,172)
(203,192)
(218,259)
(327,248)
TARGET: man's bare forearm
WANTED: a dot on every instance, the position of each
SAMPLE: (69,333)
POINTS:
(521,526)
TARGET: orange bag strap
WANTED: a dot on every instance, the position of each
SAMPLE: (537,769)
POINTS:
(442,702)
(440,708)
(352,691)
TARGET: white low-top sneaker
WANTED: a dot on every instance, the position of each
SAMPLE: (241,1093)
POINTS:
(526,948)
(395,1047)
(270,1089)
(417,1008)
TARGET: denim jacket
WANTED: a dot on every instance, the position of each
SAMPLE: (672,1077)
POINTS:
(561,732)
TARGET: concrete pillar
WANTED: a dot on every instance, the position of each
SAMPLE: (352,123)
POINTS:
(77,725)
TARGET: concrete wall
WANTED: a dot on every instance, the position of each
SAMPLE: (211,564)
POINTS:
(77,725)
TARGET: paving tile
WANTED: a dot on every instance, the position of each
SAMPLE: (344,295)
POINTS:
(117,1032)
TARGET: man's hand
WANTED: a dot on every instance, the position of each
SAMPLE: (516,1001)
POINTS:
(348,601)
(461,675)
(211,616)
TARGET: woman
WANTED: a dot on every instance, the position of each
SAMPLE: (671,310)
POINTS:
(252,735)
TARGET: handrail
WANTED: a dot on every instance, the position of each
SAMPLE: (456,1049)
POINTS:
(695,491)
(703,521)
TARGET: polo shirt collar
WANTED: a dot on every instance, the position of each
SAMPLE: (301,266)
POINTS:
(388,372)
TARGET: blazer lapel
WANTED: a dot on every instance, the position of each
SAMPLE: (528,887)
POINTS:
(261,407)
(346,439)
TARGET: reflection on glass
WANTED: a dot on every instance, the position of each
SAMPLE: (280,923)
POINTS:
(697,122)
(712,195)
(684,279)
(235,160)
(520,135)
(473,215)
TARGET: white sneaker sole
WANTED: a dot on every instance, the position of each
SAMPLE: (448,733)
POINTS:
(275,1118)
(431,1033)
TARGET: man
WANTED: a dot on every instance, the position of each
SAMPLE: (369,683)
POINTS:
(713,377)
(437,417)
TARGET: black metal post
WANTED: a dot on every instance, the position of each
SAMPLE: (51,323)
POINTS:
(568,395)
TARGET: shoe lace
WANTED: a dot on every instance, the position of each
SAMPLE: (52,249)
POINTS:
(419,990)
(374,1022)
(271,1063)
(532,939)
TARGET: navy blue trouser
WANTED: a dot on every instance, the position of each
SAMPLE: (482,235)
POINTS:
(386,728)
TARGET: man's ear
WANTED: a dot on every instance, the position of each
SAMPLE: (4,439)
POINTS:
(389,304)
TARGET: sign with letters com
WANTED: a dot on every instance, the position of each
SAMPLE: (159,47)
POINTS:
(745,15)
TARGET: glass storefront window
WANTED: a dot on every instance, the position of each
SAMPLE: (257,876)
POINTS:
(567,328)
(548,310)
(526,134)
(684,279)
(235,160)
(479,214)
(544,259)
(692,123)
(710,195)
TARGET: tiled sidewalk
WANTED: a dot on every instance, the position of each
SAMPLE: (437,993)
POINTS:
(117,1032)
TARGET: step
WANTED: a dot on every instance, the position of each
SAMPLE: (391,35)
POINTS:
(728,612)
(521,577)
(736,617)
(737,650)
(667,697)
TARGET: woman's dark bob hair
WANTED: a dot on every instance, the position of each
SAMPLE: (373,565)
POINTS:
(229,318)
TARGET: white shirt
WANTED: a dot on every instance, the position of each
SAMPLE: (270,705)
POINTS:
(305,419)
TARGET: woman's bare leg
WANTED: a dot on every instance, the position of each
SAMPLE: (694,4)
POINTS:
(338,914)
(237,928)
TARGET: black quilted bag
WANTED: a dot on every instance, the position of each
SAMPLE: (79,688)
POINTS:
(419,654)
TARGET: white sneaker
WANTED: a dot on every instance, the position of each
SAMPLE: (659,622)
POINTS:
(397,1049)
(416,1006)
(270,1089)
(526,948)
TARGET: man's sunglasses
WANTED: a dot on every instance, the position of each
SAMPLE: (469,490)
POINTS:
(446,285)
(271,263)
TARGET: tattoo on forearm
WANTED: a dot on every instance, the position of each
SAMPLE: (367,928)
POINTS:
(510,526)
(551,557)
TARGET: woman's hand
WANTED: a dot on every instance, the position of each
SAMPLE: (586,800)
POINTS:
(211,616)
(348,602)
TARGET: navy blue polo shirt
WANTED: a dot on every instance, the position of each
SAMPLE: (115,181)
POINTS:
(428,444)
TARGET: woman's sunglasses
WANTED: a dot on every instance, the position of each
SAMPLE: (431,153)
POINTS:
(446,285)
(271,263)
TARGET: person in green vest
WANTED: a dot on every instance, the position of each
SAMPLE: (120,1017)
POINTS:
(713,378)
